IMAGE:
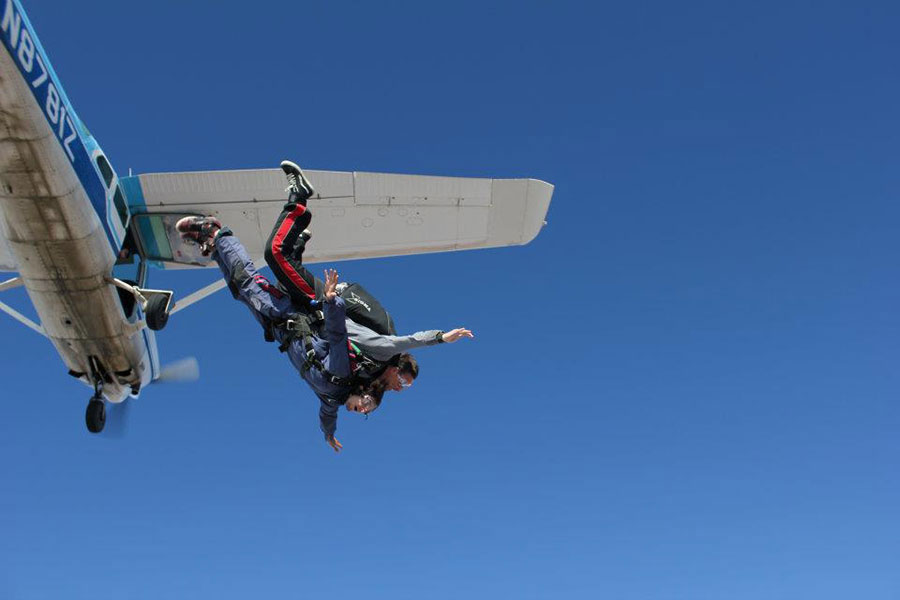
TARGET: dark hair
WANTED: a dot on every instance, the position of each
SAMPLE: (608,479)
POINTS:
(370,388)
(407,364)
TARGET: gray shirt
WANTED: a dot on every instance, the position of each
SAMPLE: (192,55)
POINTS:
(384,347)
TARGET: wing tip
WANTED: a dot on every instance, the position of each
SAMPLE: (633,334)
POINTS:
(538,196)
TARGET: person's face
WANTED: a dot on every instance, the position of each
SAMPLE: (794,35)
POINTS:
(361,404)
(396,381)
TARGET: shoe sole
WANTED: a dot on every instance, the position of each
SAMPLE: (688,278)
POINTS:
(291,168)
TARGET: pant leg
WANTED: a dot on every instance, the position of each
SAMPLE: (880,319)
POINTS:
(284,254)
(246,283)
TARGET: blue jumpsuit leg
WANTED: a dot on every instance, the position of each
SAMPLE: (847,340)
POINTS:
(251,288)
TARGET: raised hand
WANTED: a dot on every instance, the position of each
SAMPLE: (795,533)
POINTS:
(331,281)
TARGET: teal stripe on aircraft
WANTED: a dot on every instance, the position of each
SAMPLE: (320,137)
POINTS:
(150,228)
(134,195)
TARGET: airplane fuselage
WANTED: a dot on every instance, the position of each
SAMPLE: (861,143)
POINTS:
(63,220)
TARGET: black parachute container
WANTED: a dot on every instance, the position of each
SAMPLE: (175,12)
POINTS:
(365,309)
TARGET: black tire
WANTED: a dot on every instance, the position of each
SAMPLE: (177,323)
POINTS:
(95,416)
(157,317)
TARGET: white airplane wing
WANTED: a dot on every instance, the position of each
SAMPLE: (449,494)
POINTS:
(355,215)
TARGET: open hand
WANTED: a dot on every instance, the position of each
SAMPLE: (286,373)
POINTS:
(332,441)
(457,334)
(331,281)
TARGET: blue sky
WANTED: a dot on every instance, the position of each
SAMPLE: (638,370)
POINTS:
(685,387)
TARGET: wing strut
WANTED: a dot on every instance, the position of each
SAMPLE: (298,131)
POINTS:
(200,294)
(10,284)
(21,318)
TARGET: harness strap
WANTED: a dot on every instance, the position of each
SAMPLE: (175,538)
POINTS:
(265,285)
(312,361)
(301,326)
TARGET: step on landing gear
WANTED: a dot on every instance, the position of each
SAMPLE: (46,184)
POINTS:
(156,304)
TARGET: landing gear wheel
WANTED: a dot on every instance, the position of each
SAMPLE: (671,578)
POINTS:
(95,416)
(157,317)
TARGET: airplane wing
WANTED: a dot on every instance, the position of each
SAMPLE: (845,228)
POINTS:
(355,214)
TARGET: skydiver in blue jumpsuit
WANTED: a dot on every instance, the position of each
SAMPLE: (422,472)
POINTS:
(329,375)
(268,304)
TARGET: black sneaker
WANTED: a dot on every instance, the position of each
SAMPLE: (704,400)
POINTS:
(199,230)
(297,181)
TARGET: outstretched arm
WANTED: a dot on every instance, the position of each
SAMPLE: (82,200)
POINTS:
(384,347)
